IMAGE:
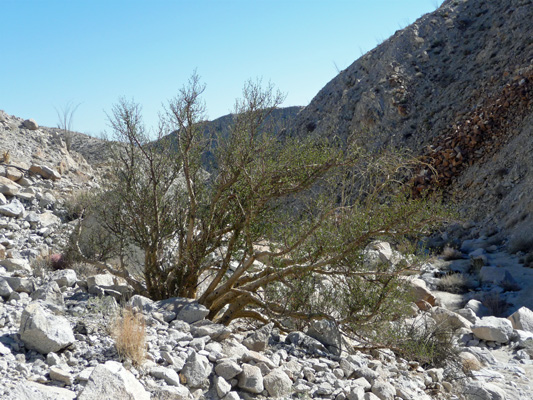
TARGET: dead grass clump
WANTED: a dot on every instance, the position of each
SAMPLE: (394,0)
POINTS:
(129,333)
(456,283)
(469,365)
(449,253)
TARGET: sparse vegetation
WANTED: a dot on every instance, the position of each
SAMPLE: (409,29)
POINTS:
(65,116)
(129,333)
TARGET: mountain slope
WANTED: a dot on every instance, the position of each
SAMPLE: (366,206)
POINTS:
(467,64)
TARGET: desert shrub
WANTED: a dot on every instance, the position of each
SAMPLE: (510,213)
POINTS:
(129,333)
(41,265)
(260,235)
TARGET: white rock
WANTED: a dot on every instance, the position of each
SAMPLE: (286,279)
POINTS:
(222,386)
(452,319)
(8,187)
(28,390)
(383,390)
(168,375)
(327,333)
(14,209)
(5,288)
(112,381)
(228,369)
(277,383)
(493,329)
(483,391)
(65,277)
(192,312)
(16,265)
(195,371)
(251,379)
(44,332)
(522,319)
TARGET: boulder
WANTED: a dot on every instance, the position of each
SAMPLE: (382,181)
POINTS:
(49,293)
(44,332)
(258,340)
(13,174)
(14,209)
(327,333)
(277,383)
(477,390)
(30,124)
(112,381)
(192,313)
(478,308)
(493,329)
(421,294)
(16,265)
(196,370)
(452,319)
(5,288)
(251,379)
(8,187)
(522,319)
(168,375)
(228,369)
(222,386)
(383,390)
(45,172)
(497,276)
(65,277)
(27,390)
(141,303)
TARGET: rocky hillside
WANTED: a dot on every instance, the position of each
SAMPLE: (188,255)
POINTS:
(62,334)
(456,87)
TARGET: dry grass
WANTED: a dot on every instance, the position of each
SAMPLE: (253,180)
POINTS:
(449,253)
(457,283)
(469,365)
(129,333)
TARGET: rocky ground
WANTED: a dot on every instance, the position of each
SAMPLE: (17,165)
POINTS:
(56,337)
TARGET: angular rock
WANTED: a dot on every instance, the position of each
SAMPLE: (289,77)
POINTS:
(14,209)
(49,293)
(493,329)
(8,187)
(13,174)
(228,369)
(383,390)
(28,390)
(483,391)
(44,332)
(251,379)
(277,383)
(30,124)
(168,375)
(5,288)
(141,303)
(497,276)
(192,313)
(222,386)
(258,340)
(172,393)
(452,319)
(45,172)
(421,293)
(196,370)
(522,319)
(65,277)
(58,374)
(327,333)
(478,308)
(112,381)
(16,265)
(217,332)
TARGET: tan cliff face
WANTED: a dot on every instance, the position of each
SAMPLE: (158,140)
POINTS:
(455,86)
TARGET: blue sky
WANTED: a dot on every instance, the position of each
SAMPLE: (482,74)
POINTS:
(94,51)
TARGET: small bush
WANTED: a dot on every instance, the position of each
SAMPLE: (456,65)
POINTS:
(41,265)
(129,333)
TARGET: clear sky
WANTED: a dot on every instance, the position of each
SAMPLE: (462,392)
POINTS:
(94,51)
